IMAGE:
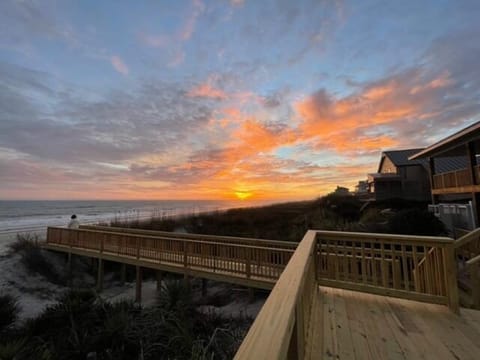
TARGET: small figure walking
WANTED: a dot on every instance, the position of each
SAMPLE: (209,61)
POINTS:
(73,224)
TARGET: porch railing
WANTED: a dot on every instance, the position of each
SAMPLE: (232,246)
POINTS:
(452,179)
(412,267)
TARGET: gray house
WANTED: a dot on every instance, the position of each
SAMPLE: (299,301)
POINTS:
(398,177)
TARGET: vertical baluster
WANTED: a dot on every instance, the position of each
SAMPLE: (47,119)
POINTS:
(383,265)
(364,267)
(405,269)
(354,263)
(427,265)
(337,270)
(345,261)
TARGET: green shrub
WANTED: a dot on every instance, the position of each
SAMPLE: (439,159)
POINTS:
(33,258)
(9,310)
(12,350)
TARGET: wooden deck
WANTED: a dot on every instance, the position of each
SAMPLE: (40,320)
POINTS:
(355,325)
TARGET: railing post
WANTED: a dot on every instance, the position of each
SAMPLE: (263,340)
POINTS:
(475,283)
(185,257)
(248,269)
(450,270)
(138,248)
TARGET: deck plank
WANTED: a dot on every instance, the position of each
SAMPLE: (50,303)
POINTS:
(330,346)
(443,325)
(365,326)
(359,337)
(344,336)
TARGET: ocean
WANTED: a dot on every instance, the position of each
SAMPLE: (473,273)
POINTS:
(34,216)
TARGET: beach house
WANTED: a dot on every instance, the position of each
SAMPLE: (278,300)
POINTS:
(454,172)
(399,177)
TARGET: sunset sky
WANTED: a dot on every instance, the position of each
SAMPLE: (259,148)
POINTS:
(266,100)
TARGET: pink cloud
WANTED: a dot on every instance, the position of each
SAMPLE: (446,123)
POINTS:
(189,27)
(119,65)
(238,3)
(177,59)
(207,91)
(155,41)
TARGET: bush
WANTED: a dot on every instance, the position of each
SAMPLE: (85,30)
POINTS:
(415,222)
(33,257)
(9,310)
(12,350)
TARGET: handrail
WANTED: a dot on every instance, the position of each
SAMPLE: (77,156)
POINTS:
(214,238)
(465,239)
(392,238)
(473,266)
(473,261)
(278,330)
(192,241)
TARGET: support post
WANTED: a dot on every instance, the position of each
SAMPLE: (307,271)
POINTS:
(123,273)
(251,294)
(186,279)
(69,268)
(431,168)
(159,279)
(475,283)
(100,275)
(204,287)
(138,285)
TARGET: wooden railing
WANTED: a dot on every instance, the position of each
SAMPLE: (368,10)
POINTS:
(473,266)
(248,261)
(413,267)
(452,179)
(467,249)
(281,328)
(199,237)
(468,246)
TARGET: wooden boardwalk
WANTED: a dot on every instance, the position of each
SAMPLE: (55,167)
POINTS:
(233,260)
(356,325)
(335,295)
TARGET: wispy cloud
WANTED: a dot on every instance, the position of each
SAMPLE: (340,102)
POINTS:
(198,7)
(155,41)
(207,91)
(119,65)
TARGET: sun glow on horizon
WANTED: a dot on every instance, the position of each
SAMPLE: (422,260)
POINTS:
(243,194)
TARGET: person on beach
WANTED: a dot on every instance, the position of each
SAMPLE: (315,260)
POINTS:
(73,224)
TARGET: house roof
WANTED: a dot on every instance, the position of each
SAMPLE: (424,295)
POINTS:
(451,142)
(400,157)
(450,163)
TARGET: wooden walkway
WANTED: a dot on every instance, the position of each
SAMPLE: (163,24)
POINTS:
(357,325)
(335,295)
(233,260)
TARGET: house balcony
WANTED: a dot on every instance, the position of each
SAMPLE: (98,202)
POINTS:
(458,181)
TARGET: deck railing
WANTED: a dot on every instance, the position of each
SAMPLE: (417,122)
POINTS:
(216,257)
(413,267)
(452,179)
(281,328)
(467,249)
(199,237)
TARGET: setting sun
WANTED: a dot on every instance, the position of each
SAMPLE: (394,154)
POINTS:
(243,195)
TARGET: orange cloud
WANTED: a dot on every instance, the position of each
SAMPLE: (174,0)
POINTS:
(207,91)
